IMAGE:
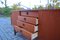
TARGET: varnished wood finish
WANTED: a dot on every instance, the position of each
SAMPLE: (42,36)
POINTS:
(30,20)
(14,17)
(27,26)
(48,23)
(24,32)
(31,14)
(26,22)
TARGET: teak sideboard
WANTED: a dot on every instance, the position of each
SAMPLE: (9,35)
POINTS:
(37,24)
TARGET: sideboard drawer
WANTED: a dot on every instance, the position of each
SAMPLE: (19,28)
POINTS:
(31,14)
(24,13)
(28,19)
(28,35)
(20,24)
(28,27)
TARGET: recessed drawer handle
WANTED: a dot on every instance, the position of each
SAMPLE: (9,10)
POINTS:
(20,30)
(27,13)
(25,19)
(20,13)
(23,24)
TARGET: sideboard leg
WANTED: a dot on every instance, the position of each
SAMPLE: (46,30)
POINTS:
(15,32)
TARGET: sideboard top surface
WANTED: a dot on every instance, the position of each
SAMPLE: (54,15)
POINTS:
(38,10)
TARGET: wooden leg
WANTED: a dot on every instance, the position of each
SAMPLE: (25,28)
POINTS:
(15,32)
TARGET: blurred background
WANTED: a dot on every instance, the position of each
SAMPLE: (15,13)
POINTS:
(6,6)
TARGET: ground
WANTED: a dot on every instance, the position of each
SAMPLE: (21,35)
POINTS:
(7,30)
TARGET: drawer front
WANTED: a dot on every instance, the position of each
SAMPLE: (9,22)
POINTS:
(29,35)
(28,19)
(31,14)
(29,27)
(24,13)
(20,24)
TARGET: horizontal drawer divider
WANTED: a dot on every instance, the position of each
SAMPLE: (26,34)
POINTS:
(28,16)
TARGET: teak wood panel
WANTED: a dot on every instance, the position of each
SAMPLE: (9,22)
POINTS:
(14,17)
(49,25)
(28,27)
(28,19)
(31,14)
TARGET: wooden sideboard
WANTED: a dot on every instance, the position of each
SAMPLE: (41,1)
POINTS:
(39,24)
(26,22)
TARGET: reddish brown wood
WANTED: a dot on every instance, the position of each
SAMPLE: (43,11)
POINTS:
(48,22)
(23,13)
(26,26)
(49,25)
(14,17)
(31,14)
(30,20)
(25,33)
(34,14)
